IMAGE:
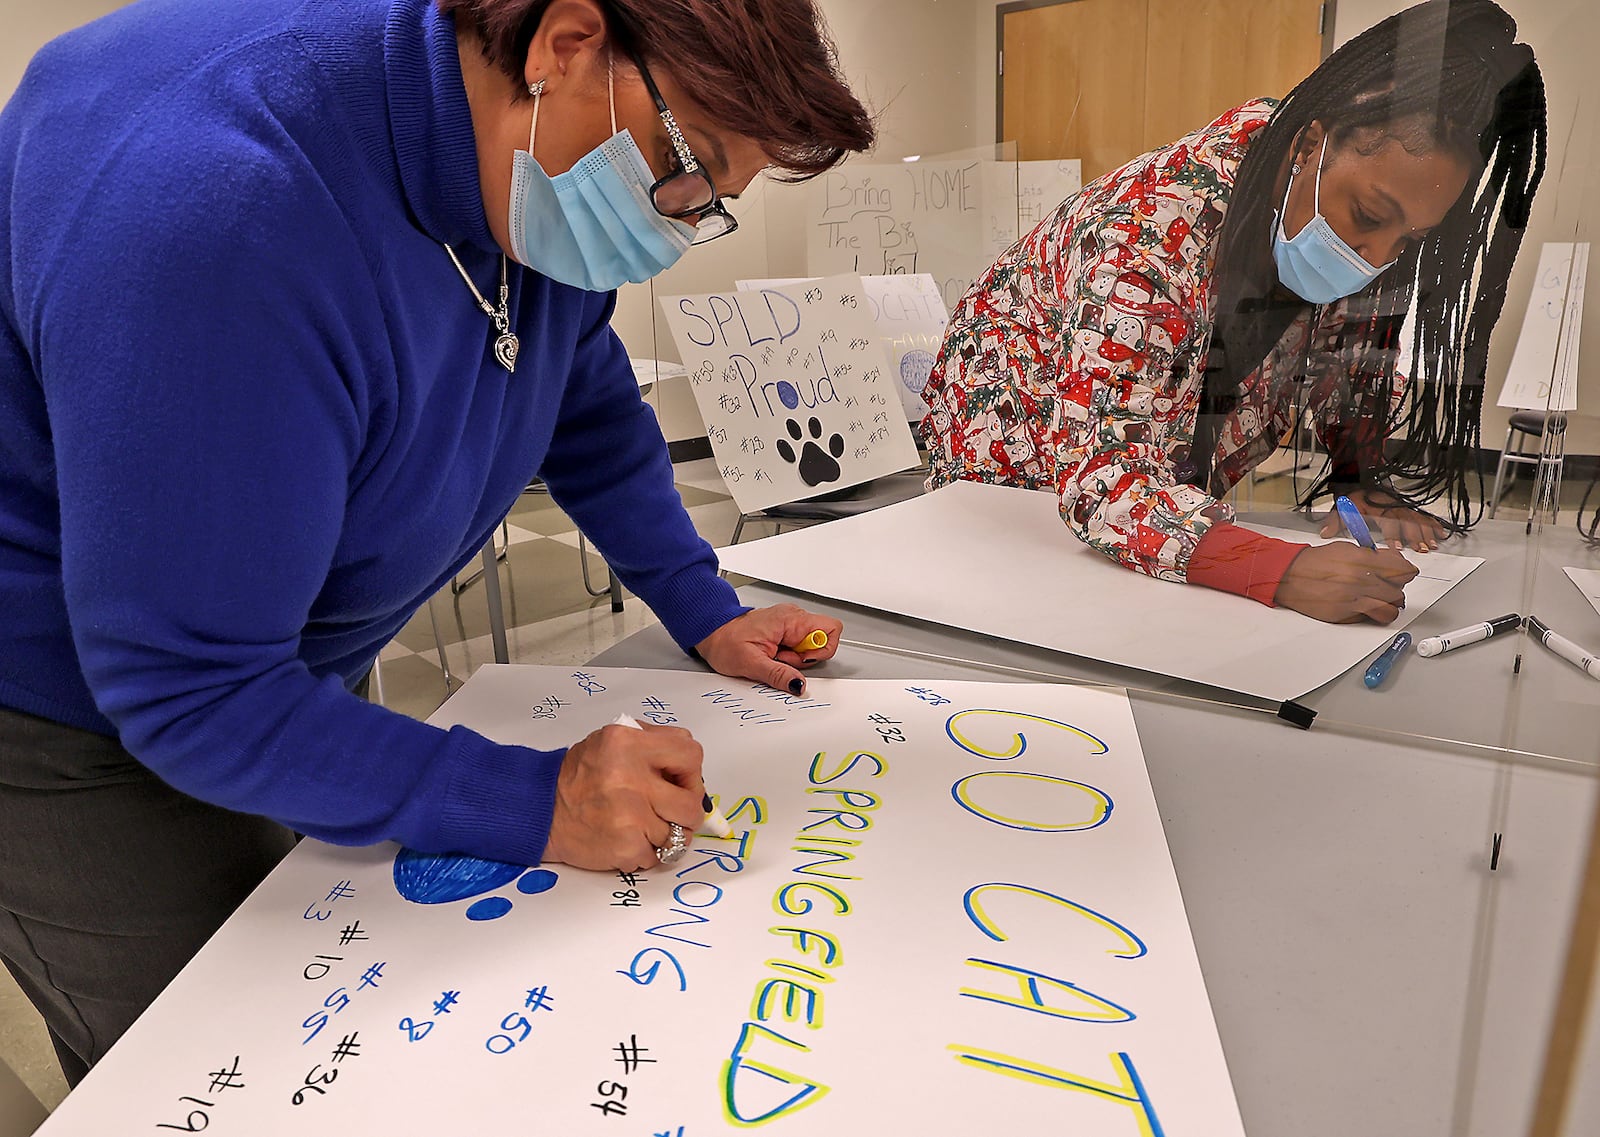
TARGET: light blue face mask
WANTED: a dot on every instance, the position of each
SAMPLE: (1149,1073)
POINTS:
(1316,264)
(593,227)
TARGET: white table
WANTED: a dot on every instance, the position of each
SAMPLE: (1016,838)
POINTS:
(1370,973)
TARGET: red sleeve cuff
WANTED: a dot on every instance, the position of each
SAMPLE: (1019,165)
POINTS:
(1231,558)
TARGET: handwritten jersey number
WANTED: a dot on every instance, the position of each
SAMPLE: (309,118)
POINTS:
(314,1082)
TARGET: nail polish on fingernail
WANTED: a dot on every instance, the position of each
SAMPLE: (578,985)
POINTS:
(797,686)
(705,803)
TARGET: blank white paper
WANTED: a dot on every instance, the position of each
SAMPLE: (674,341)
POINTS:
(999,561)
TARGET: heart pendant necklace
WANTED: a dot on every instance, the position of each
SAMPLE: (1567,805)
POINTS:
(506,342)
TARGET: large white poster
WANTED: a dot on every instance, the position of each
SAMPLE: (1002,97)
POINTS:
(1544,367)
(951,218)
(945,907)
(1003,553)
(795,388)
(911,319)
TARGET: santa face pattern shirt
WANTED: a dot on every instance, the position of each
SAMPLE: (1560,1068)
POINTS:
(1074,365)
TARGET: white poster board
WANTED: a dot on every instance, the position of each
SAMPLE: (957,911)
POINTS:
(794,387)
(911,319)
(949,218)
(999,561)
(946,907)
(1544,368)
(1587,582)
(1021,195)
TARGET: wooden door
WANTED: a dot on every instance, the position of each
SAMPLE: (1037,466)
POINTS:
(1073,81)
(1106,80)
(1206,56)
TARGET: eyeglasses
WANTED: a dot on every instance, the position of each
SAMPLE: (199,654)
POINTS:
(688,191)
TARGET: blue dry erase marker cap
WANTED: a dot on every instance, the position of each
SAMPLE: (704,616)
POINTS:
(1354,523)
(1379,671)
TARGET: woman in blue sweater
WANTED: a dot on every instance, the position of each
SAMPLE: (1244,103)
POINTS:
(295,297)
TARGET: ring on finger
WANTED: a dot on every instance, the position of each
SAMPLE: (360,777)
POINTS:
(677,844)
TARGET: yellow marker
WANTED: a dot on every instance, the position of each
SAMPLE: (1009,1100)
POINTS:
(814,642)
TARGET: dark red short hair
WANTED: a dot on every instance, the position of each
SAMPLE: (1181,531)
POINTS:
(764,69)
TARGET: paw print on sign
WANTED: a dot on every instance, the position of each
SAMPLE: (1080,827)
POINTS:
(816,465)
(440,878)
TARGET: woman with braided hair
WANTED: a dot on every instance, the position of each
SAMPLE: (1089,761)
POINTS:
(1142,350)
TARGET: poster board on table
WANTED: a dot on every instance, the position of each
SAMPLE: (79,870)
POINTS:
(911,319)
(1544,367)
(999,561)
(794,387)
(946,907)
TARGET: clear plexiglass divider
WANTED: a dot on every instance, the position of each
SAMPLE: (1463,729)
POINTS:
(1475,767)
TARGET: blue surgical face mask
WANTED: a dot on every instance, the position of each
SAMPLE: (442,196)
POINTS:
(1316,264)
(593,227)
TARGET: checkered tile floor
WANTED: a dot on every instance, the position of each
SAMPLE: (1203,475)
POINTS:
(549,616)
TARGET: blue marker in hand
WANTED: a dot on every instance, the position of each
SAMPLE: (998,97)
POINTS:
(1354,524)
(1379,671)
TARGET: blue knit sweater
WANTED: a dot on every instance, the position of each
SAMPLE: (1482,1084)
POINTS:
(253,418)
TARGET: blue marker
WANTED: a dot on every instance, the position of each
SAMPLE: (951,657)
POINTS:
(1379,671)
(1353,522)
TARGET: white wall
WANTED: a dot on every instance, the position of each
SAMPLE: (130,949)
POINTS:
(28,25)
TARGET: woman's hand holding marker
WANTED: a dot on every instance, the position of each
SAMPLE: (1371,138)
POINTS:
(1343,583)
(755,645)
(626,797)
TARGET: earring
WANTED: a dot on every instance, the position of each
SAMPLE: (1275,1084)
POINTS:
(1295,168)
(536,89)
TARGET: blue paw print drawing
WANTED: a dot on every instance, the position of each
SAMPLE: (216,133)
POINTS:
(816,464)
(440,878)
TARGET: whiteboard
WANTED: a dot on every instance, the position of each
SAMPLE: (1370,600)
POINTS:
(948,217)
(999,561)
(1544,368)
(795,388)
(911,319)
(947,907)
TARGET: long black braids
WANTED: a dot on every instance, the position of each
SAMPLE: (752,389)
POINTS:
(1451,73)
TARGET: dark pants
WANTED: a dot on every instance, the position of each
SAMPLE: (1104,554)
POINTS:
(110,880)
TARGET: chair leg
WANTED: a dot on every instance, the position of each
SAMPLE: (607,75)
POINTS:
(738,528)
(458,585)
(497,616)
(438,643)
(613,586)
(377,682)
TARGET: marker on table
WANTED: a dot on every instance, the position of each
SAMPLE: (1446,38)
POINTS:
(1564,647)
(814,642)
(1379,671)
(1354,523)
(715,824)
(1461,637)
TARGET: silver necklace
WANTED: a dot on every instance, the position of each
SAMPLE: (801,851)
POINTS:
(506,343)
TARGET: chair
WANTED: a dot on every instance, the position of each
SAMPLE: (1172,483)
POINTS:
(490,572)
(376,689)
(1531,425)
(888,490)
